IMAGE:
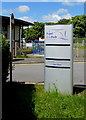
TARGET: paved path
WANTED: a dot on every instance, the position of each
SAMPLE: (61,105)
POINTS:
(37,60)
(28,60)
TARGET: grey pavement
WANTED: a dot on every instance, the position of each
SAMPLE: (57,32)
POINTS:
(38,60)
(28,60)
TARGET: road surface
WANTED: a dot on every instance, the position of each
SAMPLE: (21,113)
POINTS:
(34,73)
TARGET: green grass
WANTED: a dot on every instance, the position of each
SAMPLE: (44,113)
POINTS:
(21,56)
(80,47)
(54,105)
(79,40)
(27,56)
(30,102)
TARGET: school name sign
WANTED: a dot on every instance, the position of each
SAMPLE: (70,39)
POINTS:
(58,58)
(57,34)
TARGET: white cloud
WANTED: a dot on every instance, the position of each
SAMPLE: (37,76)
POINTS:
(67,16)
(4,11)
(22,9)
(72,3)
(80,0)
(7,11)
(51,18)
(56,16)
(60,11)
(28,19)
(68,3)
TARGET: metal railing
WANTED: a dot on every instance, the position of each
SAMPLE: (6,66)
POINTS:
(79,47)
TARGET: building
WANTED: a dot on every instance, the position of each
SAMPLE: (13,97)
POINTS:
(41,39)
(17,33)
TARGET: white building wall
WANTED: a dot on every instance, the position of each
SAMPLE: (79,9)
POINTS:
(8,32)
(16,32)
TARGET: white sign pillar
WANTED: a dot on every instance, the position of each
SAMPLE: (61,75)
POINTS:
(59,58)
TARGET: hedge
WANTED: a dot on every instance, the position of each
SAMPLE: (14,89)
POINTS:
(5,59)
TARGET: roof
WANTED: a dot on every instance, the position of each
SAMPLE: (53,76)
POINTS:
(6,20)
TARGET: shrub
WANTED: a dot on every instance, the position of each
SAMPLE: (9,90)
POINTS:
(5,59)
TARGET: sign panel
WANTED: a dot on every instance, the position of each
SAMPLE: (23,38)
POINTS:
(58,78)
(58,63)
(60,34)
(60,52)
(58,58)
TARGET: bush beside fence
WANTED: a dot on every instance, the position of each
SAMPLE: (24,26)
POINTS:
(5,59)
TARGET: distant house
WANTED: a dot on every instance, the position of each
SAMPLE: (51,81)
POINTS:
(41,39)
(17,33)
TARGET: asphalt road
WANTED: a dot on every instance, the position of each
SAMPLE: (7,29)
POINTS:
(29,73)
(35,73)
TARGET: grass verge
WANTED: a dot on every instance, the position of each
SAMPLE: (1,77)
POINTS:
(55,105)
(79,47)
(24,102)
(27,56)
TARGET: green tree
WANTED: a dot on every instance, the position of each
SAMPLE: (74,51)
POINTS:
(5,58)
(79,24)
(50,23)
(63,21)
(35,31)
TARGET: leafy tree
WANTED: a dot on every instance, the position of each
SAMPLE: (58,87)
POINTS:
(79,24)
(50,23)
(63,21)
(5,58)
(35,31)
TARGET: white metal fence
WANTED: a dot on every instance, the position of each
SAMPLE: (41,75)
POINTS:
(79,47)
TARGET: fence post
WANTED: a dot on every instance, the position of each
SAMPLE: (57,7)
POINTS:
(77,49)
(83,42)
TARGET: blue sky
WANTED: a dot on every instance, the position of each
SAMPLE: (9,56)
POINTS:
(43,11)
